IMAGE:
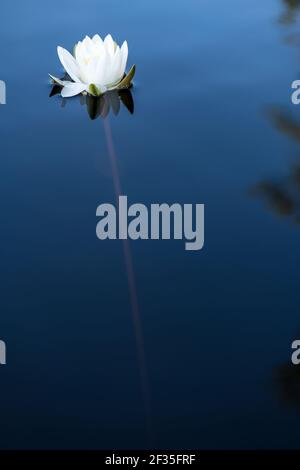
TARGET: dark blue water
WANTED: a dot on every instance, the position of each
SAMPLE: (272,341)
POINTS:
(186,349)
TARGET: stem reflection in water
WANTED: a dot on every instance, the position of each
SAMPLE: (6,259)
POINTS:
(100,107)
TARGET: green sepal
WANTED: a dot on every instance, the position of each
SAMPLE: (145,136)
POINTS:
(93,90)
(56,80)
(126,81)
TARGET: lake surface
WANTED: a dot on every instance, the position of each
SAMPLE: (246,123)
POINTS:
(144,344)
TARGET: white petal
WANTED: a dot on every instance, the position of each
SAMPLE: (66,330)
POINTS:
(88,45)
(99,48)
(109,44)
(69,63)
(102,67)
(114,75)
(90,70)
(72,89)
(97,39)
(78,51)
(124,52)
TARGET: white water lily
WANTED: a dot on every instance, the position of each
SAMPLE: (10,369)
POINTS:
(96,67)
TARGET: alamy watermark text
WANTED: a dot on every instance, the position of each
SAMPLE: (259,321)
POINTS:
(161,221)
(296,354)
(2,353)
(2,92)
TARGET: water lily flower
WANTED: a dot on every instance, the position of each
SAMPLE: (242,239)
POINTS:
(95,67)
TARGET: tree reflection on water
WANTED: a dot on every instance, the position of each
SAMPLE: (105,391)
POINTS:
(287,382)
(282,195)
(291,9)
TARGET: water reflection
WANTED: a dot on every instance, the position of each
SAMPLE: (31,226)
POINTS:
(290,13)
(277,197)
(282,120)
(287,382)
(101,106)
(282,195)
